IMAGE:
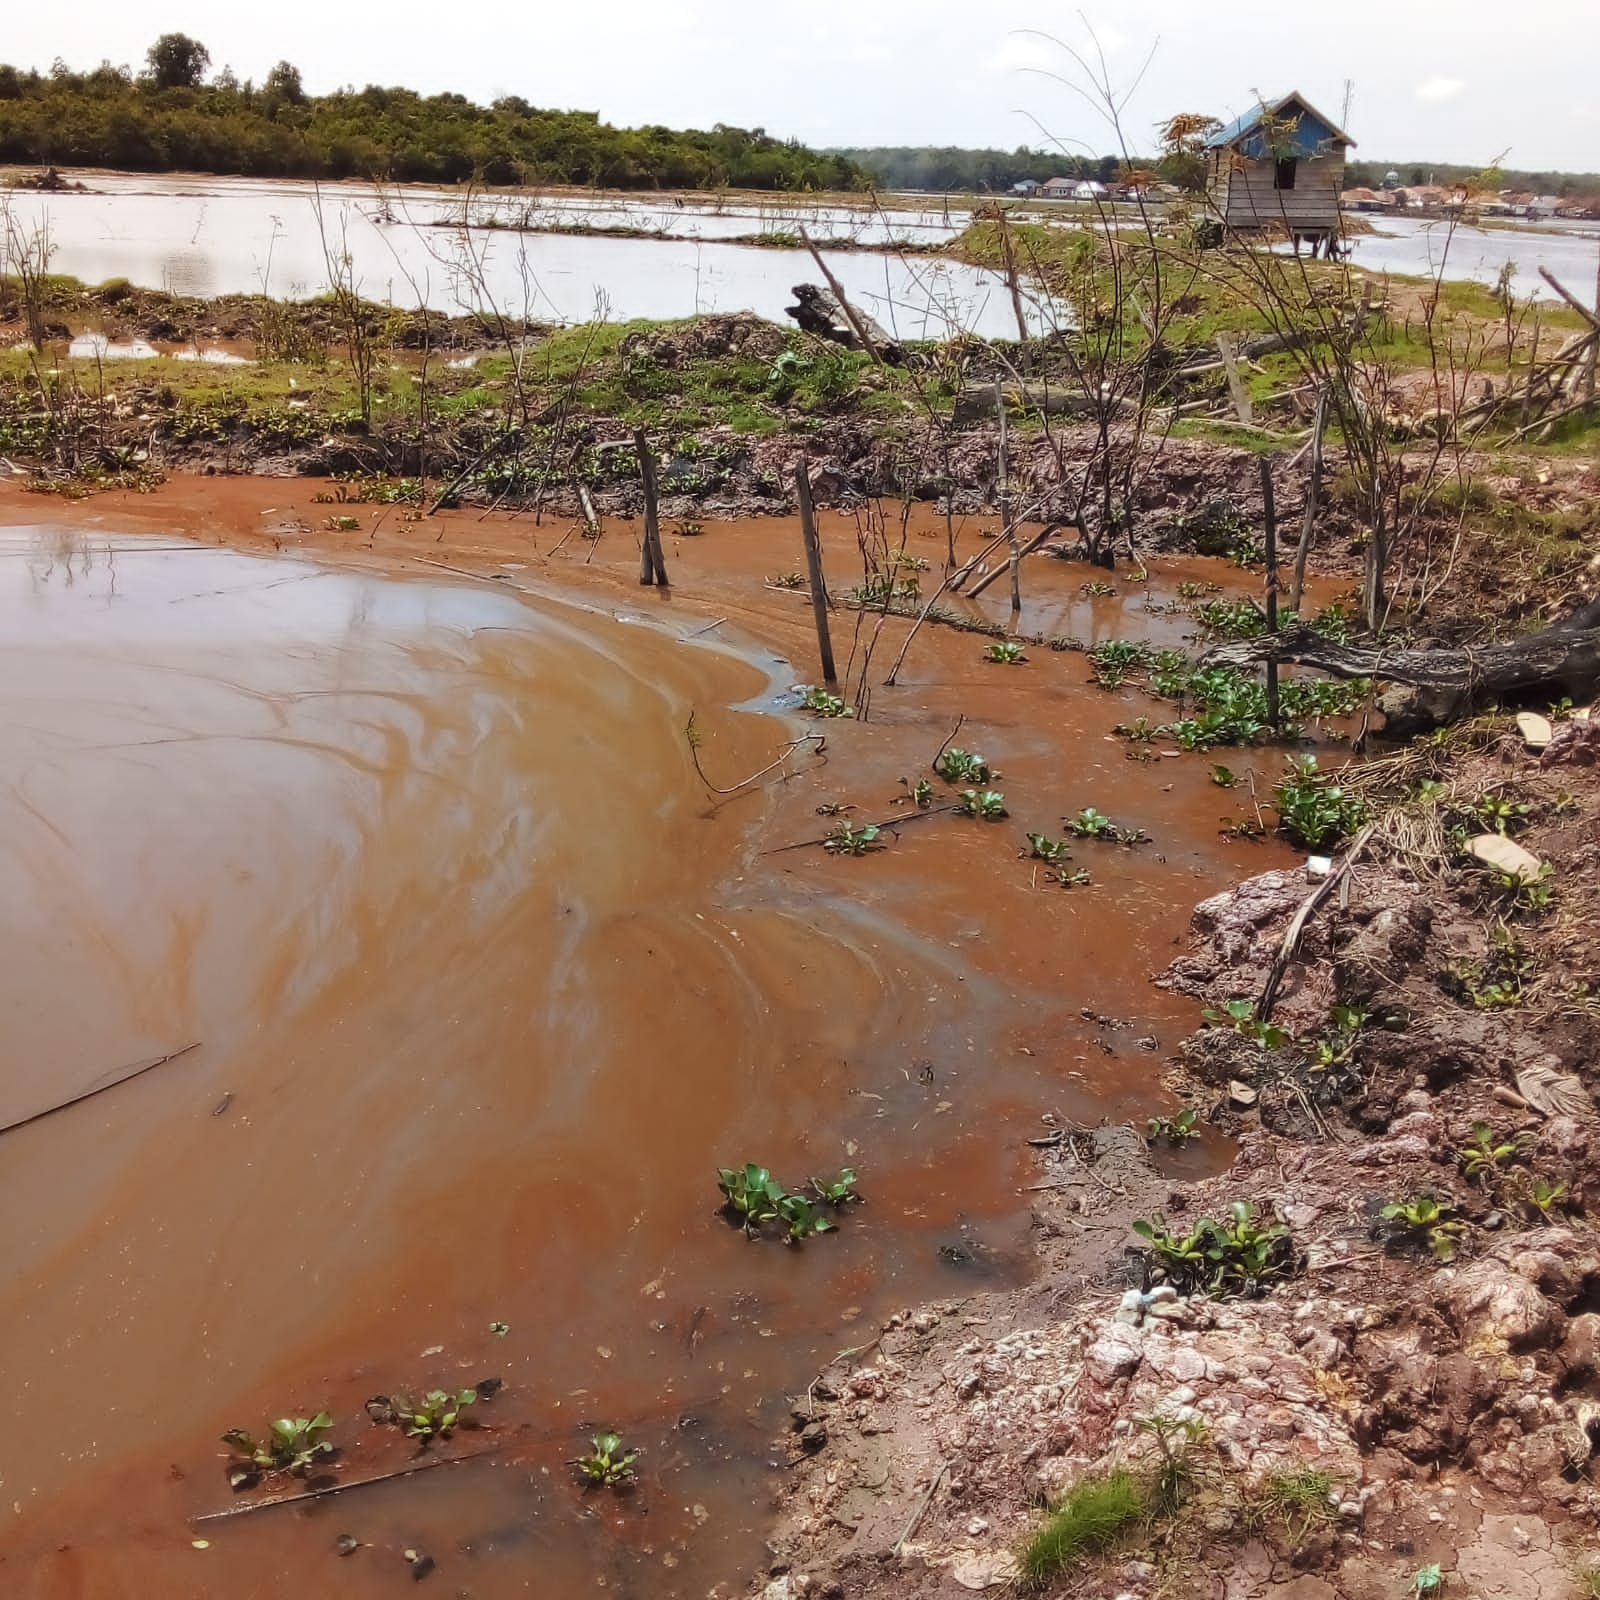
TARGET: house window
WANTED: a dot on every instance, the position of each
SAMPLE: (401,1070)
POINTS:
(1283,173)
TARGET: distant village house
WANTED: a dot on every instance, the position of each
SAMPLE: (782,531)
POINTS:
(1280,165)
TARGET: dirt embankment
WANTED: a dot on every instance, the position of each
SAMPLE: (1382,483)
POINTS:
(1413,1401)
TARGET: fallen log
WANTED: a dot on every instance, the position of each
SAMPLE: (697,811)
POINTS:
(975,402)
(1564,658)
(821,312)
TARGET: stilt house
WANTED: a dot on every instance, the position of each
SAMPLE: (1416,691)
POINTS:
(1280,164)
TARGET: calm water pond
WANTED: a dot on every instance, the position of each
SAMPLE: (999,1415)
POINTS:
(1423,246)
(226,236)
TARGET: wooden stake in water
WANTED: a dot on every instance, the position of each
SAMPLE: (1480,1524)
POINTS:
(1269,516)
(652,564)
(819,593)
(1003,497)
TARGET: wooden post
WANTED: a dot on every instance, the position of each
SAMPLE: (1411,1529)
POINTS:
(1016,292)
(1270,520)
(1003,497)
(819,593)
(1594,348)
(1297,589)
(652,564)
(1236,388)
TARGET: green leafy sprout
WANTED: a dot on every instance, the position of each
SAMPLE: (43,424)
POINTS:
(751,1196)
(962,766)
(1092,824)
(1240,1015)
(607,1465)
(989,805)
(848,841)
(821,702)
(1237,1256)
(1005,652)
(1430,1220)
(1487,1156)
(292,1444)
(1313,811)
(840,1191)
(1178,1129)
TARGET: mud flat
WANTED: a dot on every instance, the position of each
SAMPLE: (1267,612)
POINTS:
(486,986)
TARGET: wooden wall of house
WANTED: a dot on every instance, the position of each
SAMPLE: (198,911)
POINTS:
(1244,195)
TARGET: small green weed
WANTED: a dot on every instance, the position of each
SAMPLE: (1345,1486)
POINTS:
(1240,1015)
(1092,824)
(1005,652)
(752,1197)
(1089,824)
(1179,1129)
(801,1218)
(1313,811)
(821,702)
(1535,1198)
(841,1191)
(1232,619)
(1501,815)
(1336,1046)
(1097,590)
(848,841)
(1093,1514)
(989,805)
(920,794)
(606,1466)
(1140,731)
(1486,1157)
(1533,894)
(292,1444)
(750,1194)
(1427,1581)
(963,766)
(434,1416)
(1499,981)
(1301,1501)
(1429,1220)
(787,580)
(1237,1256)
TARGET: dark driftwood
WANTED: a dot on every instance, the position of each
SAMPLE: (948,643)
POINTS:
(245,1508)
(975,402)
(1566,656)
(819,311)
(113,1081)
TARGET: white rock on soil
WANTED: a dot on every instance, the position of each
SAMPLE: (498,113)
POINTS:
(1507,856)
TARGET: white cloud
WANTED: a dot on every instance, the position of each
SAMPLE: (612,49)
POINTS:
(1024,52)
(1436,89)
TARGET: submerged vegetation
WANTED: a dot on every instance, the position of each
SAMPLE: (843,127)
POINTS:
(753,1197)
(291,1445)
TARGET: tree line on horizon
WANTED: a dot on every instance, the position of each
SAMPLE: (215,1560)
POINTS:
(172,117)
(957,170)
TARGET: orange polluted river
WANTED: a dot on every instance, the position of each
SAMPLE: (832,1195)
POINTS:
(485,986)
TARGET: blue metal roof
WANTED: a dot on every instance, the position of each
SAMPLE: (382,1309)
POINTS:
(1312,136)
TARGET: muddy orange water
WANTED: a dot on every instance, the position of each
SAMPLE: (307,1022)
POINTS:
(486,985)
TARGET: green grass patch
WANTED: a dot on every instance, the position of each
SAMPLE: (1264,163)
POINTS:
(1299,1502)
(1091,1517)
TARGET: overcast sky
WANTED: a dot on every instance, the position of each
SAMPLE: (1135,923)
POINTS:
(1447,80)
